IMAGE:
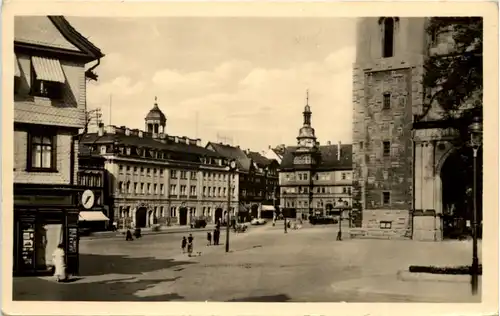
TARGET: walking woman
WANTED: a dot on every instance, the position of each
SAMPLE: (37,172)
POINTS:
(58,258)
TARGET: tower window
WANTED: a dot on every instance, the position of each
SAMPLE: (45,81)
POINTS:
(387,148)
(388,45)
(387,101)
(386,198)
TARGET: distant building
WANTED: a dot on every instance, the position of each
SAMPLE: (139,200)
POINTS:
(257,179)
(50,58)
(273,154)
(314,179)
(156,178)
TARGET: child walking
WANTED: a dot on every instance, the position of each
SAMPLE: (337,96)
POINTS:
(209,239)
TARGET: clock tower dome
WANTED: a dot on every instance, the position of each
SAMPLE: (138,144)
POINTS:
(307,144)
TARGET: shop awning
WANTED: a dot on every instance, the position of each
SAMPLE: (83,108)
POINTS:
(92,216)
(268,208)
(48,69)
(17,70)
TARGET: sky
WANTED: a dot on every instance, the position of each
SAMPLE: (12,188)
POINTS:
(241,78)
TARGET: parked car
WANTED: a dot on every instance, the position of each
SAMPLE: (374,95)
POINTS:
(258,221)
(322,220)
(199,223)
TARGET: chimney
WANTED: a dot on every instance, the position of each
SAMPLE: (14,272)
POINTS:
(198,142)
(100,131)
(338,150)
(141,134)
(176,139)
(127,131)
(328,143)
(269,147)
(111,129)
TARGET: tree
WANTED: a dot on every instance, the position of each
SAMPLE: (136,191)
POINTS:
(455,78)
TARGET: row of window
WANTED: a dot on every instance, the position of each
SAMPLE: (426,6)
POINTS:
(319,204)
(304,176)
(140,188)
(174,174)
(89,179)
(322,189)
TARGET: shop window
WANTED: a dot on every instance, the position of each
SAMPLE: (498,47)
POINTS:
(42,152)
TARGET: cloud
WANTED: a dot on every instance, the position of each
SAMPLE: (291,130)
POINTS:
(258,106)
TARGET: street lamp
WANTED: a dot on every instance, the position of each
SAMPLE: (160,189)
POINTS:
(339,234)
(475,131)
(230,168)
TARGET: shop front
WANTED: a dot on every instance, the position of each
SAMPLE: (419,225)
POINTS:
(44,218)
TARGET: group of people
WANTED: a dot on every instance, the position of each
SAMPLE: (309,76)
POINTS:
(216,237)
(187,243)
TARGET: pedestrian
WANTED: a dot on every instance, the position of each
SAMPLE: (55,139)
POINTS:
(209,238)
(59,263)
(183,244)
(128,235)
(215,237)
(190,244)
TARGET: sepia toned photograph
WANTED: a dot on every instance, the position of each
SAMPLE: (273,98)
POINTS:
(248,159)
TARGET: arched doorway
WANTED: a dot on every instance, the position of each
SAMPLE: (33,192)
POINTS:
(254,211)
(218,215)
(456,188)
(141,217)
(183,216)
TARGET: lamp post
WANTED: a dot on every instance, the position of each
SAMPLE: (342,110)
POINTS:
(231,168)
(475,131)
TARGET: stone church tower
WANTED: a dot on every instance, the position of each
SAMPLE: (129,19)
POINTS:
(395,163)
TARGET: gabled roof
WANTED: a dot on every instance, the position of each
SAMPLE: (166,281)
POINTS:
(328,160)
(54,32)
(244,163)
(260,160)
(147,142)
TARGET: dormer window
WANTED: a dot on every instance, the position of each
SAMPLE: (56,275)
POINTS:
(103,150)
(47,77)
(128,150)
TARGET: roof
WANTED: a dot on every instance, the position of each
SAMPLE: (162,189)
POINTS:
(156,114)
(328,160)
(147,142)
(260,160)
(54,32)
(231,152)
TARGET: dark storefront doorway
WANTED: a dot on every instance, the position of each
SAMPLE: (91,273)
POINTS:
(456,178)
(141,217)
(218,215)
(255,211)
(183,216)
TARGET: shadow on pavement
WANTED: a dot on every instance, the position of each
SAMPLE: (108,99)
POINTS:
(266,298)
(35,289)
(91,264)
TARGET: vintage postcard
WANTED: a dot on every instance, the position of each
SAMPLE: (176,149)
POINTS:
(224,158)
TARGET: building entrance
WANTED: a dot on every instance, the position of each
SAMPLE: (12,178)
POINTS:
(183,216)
(141,217)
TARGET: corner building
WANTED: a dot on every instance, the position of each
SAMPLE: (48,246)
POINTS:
(399,145)
(155,178)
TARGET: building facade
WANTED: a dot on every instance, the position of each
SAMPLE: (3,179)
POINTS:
(92,176)
(315,179)
(155,178)
(50,57)
(257,179)
(401,145)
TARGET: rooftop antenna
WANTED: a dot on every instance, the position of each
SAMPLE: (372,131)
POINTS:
(110,107)
(307,97)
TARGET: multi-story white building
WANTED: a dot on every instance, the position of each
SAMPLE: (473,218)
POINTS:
(155,178)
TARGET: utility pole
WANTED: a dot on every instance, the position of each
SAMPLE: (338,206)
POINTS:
(231,168)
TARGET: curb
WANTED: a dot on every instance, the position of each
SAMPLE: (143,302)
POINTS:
(431,277)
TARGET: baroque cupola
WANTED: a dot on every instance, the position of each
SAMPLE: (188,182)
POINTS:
(155,120)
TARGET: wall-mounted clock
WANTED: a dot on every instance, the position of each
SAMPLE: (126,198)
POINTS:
(88,199)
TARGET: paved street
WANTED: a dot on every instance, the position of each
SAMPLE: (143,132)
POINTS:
(264,265)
